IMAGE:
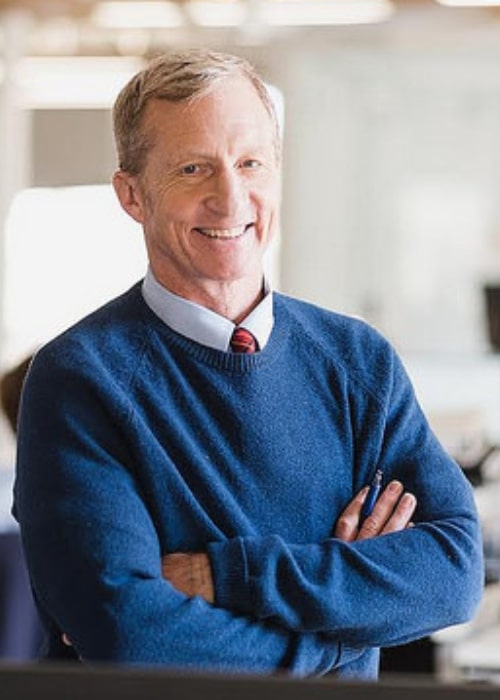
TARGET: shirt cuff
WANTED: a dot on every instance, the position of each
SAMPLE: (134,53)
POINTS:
(230,575)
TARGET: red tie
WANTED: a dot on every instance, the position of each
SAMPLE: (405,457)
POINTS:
(242,341)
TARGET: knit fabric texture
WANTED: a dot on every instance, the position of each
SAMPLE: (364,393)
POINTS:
(135,441)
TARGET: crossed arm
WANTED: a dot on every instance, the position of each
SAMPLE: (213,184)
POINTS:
(191,573)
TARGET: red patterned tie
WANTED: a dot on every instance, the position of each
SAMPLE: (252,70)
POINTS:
(242,341)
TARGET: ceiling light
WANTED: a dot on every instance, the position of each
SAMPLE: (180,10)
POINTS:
(211,13)
(233,13)
(128,15)
(288,12)
(324,12)
(469,3)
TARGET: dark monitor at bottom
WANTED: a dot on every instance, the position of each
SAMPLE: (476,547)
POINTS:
(45,681)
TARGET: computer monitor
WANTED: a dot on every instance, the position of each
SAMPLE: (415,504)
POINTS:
(45,681)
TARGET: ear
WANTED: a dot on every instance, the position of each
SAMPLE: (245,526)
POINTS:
(128,192)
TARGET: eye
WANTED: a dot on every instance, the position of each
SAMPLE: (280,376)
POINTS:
(251,164)
(191,169)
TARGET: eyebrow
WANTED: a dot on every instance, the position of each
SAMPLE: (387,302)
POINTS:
(189,156)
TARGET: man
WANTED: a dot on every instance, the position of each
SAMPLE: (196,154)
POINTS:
(188,505)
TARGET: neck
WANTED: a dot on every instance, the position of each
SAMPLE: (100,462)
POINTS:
(229,302)
(234,300)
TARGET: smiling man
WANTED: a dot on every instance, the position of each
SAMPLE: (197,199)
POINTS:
(208,194)
(194,457)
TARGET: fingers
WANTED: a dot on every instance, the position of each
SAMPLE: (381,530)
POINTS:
(392,513)
(401,517)
(346,528)
(178,569)
(190,573)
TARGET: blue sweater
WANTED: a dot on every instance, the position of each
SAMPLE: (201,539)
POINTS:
(135,441)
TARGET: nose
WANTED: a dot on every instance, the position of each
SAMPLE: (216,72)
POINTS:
(227,194)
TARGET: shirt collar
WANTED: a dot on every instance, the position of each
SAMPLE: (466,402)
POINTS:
(201,324)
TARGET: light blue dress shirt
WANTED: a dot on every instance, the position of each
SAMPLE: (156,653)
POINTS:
(201,324)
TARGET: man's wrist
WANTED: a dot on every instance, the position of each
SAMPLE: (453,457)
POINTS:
(189,573)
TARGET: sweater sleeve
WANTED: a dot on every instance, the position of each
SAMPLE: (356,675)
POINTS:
(383,591)
(94,555)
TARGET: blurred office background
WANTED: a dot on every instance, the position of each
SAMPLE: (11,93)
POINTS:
(390,194)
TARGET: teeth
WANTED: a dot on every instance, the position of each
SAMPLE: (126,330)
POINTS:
(223,232)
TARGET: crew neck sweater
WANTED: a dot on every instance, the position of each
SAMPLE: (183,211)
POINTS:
(135,441)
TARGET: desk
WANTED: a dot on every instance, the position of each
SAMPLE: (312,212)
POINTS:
(81,682)
(472,651)
(479,657)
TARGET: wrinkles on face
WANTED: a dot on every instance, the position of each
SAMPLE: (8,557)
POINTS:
(211,193)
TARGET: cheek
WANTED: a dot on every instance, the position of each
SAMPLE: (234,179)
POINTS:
(269,208)
(166,214)
(178,206)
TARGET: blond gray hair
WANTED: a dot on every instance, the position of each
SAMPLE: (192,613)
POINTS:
(175,77)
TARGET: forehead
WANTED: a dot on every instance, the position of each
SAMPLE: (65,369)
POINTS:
(231,112)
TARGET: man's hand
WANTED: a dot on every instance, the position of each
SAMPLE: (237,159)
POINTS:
(393,512)
(190,574)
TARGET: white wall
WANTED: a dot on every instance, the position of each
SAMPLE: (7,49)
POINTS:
(392,173)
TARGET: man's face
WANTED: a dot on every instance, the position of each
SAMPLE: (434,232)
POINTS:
(210,191)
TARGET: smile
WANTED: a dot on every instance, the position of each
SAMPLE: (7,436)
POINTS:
(224,233)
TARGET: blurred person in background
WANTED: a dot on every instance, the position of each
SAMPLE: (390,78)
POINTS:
(11,384)
(20,629)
